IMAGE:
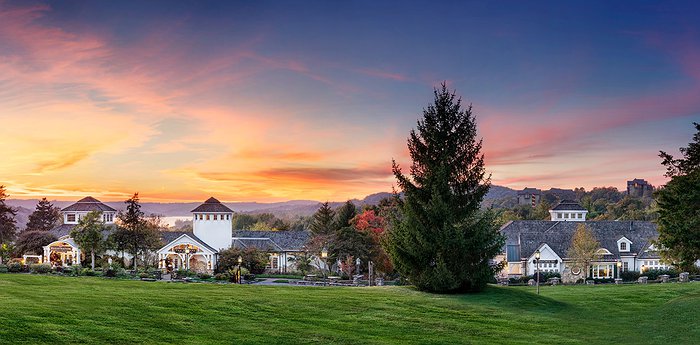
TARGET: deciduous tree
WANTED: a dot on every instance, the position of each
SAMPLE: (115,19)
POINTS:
(89,234)
(441,241)
(32,242)
(583,248)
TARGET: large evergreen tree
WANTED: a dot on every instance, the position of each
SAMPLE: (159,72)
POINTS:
(679,205)
(32,242)
(322,223)
(344,215)
(89,235)
(8,223)
(45,217)
(440,240)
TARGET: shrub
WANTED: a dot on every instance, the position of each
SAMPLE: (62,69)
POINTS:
(254,260)
(181,273)
(203,275)
(3,268)
(144,275)
(655,273)
(222,276)
(629,276)
(249,277)
(40,268)
(87,272)
(14,267)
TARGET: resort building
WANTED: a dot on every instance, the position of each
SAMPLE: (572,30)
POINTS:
(624,243)
(212,232)
(64,251)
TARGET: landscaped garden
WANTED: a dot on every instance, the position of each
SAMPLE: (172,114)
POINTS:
(54,309)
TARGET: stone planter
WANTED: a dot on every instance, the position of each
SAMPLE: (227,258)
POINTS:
(618,280)
(590,282)
(684,277)
(554,281)
(379,281)
(531,282)
(643,280)
(664,278)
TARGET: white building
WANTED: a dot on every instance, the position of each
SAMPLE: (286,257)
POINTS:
(64,251)
(568,211)
(212,232)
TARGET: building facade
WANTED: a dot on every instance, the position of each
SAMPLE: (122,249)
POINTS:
(639,188)
(626,242)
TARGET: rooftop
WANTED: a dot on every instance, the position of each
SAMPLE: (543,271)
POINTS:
(212,205)
(88,204)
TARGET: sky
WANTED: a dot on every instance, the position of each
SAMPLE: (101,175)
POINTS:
(284,100)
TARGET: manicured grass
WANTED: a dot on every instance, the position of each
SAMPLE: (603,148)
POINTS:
(58,310)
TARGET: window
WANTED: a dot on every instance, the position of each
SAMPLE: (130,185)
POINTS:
(207,218)
(70,217)
(580,215)
(602,271)
(216,217)
(623,245)
(275,263)
(625,266)
(566,215)
(559,215)
(228,217)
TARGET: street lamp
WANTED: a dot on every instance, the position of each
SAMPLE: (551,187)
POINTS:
(537,266)
(619,268)
(238,274)
(324,256)
(187,258)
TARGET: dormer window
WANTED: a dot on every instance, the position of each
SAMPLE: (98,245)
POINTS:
(70,217)
(623,246)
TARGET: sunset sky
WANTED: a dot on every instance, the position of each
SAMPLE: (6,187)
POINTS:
(263,101)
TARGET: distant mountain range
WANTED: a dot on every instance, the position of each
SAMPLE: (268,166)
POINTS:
(286,209)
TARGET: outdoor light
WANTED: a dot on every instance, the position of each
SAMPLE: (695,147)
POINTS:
(537,266)
(240,259)
(324,252)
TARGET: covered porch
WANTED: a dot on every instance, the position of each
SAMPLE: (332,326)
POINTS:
(61,253)
(187,253)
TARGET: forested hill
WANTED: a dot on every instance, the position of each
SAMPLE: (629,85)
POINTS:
(280,209)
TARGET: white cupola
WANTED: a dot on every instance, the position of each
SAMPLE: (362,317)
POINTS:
(211,223)
(568,211)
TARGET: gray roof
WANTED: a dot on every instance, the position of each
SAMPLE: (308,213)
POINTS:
(212,205)
(169,236)
(530,191)
(529,235)
(278,241)
(88,204)
(65,229)
(569,205)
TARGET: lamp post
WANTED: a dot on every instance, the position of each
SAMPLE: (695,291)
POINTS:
(324,256)
(537,267)
(619,268)
(187,258)
(238,274)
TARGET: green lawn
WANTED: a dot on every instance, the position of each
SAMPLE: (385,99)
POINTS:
(51,309)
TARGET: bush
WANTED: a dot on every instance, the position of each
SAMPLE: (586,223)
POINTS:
(222,276)
(40,268)
(248,277)
(629,276)
(14,267)
(87,272)
(253,259)
(654,274)
(182,273)
(145,275)
(3,268)
(544,277)
(203,275)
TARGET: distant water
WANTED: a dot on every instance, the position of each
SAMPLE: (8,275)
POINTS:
(171,220)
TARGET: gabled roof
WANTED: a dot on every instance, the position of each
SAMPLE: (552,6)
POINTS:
(568,205)
(88,204)
(283,241)
(212,205)
(531,234)
(168,237)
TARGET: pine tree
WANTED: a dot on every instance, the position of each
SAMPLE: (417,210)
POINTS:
(88,234)
(45,217)
(8,223)
(322,223)
(679,206)
(440,240)
(344,215)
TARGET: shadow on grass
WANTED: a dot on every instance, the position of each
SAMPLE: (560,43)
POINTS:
(510,298)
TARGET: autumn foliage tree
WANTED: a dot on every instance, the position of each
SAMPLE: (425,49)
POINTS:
(583,248)
(441,241)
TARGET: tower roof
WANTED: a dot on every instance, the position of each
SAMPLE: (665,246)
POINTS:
(212,205)
(88,204)
(568,205)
